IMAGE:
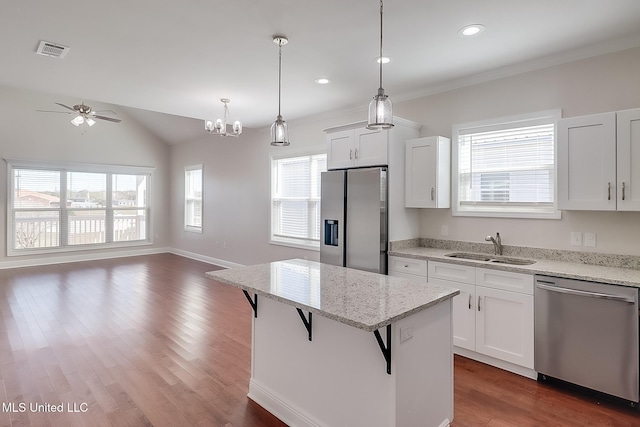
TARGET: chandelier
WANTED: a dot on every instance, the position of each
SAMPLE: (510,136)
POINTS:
(220,126)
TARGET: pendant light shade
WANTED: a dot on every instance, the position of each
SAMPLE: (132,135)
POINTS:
(279,129)
(380,108)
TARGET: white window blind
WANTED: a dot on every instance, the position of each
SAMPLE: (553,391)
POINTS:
(295,199)
(506,169)
(193,198)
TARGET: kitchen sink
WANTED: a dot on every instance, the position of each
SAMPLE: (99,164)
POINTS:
(489,258)
(512,261)
(468,255)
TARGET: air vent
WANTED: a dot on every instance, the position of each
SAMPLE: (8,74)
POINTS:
(52,49)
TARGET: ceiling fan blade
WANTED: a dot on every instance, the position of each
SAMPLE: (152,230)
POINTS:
(109,119)
(104,111)
(65,106)
(50,111)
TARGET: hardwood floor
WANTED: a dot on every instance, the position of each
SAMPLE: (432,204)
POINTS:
(150,341)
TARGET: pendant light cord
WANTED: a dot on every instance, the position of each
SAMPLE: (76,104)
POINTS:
(279,74)
(380,57)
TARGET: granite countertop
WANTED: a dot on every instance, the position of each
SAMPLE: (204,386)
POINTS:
(357,298)
(570,270)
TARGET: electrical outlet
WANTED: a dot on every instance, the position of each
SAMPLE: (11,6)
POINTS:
(590,239)
(576,238)
(406,333)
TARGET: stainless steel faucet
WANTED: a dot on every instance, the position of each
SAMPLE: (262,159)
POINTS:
(497,243)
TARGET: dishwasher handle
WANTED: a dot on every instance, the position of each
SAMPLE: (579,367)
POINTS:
(621,298)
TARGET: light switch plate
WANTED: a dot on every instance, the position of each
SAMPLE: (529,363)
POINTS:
(590,239)
(576,238)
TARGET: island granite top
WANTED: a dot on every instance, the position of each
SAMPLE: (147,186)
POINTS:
(357,298)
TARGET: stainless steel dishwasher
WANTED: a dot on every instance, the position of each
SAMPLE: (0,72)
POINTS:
(586,333)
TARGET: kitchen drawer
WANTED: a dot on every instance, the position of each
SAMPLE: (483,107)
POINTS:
(451,272)
(402,275)
(506,280)
(408,265)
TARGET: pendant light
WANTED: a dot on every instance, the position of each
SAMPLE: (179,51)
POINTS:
(279,129)
(380,108)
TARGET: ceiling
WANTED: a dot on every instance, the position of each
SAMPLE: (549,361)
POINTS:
(180,58)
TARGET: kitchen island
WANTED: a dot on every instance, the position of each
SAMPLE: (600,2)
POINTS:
(333,346)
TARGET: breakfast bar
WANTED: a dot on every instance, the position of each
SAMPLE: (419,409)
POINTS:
(333,346)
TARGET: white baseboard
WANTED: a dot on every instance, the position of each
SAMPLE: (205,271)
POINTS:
(204,258)
(78,257)
(507,366)
(280,408)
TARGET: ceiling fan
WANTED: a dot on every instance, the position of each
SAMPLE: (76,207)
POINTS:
(84,114)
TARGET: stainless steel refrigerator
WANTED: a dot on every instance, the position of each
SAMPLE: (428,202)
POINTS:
(354,219)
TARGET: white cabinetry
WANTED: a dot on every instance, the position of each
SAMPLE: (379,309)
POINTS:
(492,315)
(598,161)
(408,268)
(428,172)
(356,147)
(378,148)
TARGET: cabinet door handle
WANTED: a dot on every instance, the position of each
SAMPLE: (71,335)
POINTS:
(351,154)
(609,191)
(356,153)
(432,192)
(469,301)
(622,190)
(479,298)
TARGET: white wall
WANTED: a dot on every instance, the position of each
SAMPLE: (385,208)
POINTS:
(26,134)
(604,83)
(237,170)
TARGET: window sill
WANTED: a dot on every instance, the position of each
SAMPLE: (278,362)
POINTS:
(297,245)
(78,248)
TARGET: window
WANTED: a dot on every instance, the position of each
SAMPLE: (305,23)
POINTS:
(295,200)
(61,208)
(506,167)
(193,198)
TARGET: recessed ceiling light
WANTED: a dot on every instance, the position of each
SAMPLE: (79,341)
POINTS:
(471,30)
(384,60)
(323,81)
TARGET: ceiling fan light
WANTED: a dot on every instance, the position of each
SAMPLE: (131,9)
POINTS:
(90,121)
(280,133)
(380,112)
(77,121)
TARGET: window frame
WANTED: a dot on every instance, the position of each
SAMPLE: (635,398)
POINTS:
(63,168)
(503,123)
(189,227)
(280,240)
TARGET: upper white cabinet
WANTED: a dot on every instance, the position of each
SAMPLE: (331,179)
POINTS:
(428,172)
(628,132)
(356,147)
(588,149)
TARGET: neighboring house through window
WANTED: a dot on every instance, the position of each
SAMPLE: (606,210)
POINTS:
(506,167)
(55,207)
(295,199)
(193,184)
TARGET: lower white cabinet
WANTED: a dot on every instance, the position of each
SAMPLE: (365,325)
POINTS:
(407,268)
(493,314)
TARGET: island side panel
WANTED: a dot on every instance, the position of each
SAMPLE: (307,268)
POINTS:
(423,365)
(337,379)
(340,379)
